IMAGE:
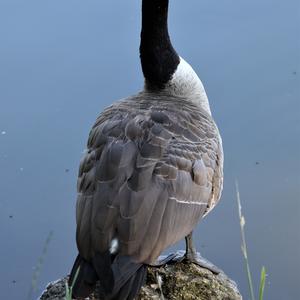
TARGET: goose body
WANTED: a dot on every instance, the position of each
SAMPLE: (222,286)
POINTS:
(153,168)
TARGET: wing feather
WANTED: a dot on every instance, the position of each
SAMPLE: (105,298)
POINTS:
(153,169)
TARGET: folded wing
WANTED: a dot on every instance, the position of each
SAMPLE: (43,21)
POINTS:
(150,173)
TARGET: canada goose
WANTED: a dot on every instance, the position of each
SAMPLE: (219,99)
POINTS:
(153,168)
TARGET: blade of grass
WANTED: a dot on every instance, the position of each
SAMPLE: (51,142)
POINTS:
(262,283)
(70,289)
(68,292)
(244,245)
(38,268)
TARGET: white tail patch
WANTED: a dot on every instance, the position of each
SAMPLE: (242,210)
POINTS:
(114,246)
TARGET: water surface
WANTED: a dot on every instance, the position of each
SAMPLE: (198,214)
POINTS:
(62,62)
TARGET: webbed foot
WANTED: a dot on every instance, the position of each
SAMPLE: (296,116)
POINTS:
(202,262)
(189,255)
(195,257)
(182,256)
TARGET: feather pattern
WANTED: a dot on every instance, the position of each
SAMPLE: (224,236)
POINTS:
(152,170)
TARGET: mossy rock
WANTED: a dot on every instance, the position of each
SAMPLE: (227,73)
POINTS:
(188,282)
(182,281)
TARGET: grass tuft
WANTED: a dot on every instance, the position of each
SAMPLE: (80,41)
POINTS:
(245,253)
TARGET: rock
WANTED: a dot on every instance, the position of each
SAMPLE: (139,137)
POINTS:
(184,281)
(187,281)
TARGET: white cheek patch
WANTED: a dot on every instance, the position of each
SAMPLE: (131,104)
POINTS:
(186,83)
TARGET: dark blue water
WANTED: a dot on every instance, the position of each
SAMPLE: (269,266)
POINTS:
(62,62)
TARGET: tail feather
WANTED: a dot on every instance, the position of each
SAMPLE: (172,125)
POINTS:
(120,279)
(139,281)
(85,282)
(123,268)
(103,266)
(130,277)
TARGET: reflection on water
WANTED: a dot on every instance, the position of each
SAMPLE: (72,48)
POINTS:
(62,62)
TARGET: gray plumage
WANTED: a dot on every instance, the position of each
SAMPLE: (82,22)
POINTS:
(152,170)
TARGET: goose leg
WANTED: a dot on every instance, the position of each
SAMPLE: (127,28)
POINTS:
(191,255)
(190,250)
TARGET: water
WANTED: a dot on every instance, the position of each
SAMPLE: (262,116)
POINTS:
(62,62)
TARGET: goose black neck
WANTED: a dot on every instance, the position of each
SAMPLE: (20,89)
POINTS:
(158,58)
